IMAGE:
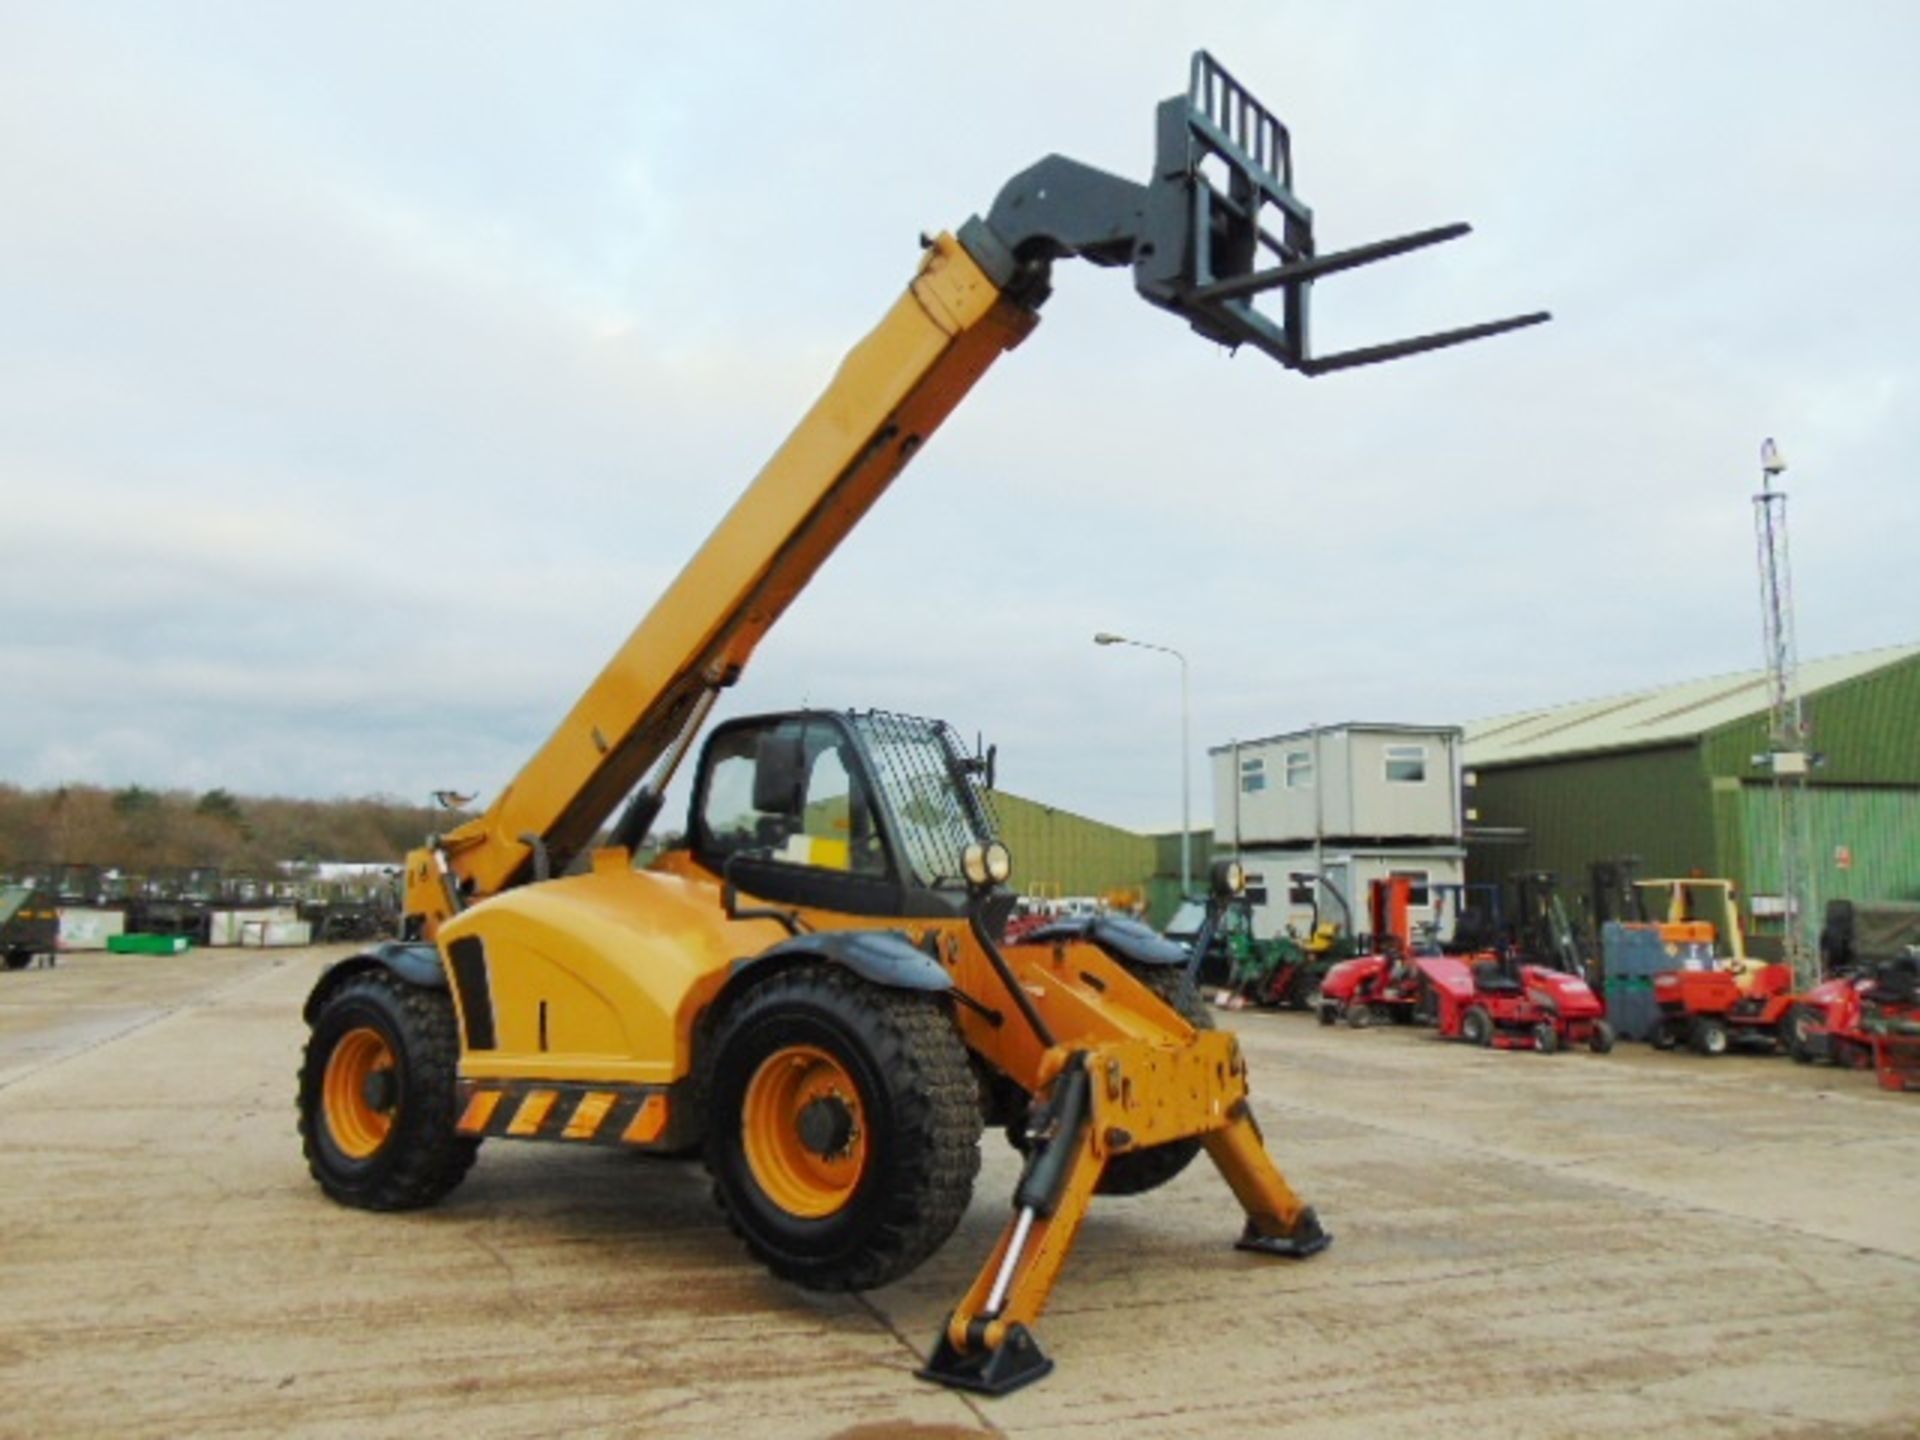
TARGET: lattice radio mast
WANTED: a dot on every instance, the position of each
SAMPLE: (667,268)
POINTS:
(1788,756)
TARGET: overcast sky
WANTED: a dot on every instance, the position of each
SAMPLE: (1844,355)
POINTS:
(366,371)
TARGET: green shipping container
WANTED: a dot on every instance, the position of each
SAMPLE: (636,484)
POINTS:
(148,944)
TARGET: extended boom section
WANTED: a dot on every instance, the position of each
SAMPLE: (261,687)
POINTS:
(814,987)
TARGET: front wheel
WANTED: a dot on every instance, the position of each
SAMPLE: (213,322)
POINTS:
(1707,1036)
(844,1127)
(1802,1043)
(378,1095)
(1600,1039)
(1546,1038)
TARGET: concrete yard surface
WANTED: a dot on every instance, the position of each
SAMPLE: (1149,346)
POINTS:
(1564,1245)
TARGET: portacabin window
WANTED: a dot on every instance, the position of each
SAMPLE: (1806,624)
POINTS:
(1299,769)
(1253,775)
(1406,764)
(1418,895)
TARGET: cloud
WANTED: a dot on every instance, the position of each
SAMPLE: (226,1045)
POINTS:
(365,374)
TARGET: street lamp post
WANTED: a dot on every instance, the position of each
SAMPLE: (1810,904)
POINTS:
(1186,788)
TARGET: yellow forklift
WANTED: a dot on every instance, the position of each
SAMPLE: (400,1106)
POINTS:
(813,990)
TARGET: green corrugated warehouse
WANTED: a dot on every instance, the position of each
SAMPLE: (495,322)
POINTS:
(1057,853)
(1668,775)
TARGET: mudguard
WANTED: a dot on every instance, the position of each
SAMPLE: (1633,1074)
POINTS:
(416,962)
(883,957)
(1127,941)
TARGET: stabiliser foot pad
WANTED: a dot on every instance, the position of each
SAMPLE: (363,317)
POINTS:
(1308,1238)
(1019,1361)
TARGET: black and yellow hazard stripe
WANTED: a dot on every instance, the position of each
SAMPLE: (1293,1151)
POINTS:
(540,1110)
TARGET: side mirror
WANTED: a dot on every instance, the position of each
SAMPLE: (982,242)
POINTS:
(779,772)
(982,763)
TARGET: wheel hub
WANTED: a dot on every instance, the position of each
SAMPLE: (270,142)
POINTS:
(804,1131)
(826,1125)
(382,1091)
(360,1092)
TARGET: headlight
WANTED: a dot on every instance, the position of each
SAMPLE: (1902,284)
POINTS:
(988,864)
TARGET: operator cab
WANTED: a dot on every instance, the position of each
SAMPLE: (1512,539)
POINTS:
(864,813)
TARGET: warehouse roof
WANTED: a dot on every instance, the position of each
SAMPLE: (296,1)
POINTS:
(1670,714)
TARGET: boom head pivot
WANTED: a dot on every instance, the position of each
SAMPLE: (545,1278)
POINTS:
(1216,228)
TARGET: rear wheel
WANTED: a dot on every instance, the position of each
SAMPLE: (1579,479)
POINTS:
(378,1095)
(1546,1039)
(1476,1026)
(1707,1035)
(844,1127)
(1664,1036)
(1359,1014)
(18,959)
(1329,1012)
(1426,1009)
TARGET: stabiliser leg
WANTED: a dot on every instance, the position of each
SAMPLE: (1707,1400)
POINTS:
(987,1346)
(1106,1101)
(1277,1222)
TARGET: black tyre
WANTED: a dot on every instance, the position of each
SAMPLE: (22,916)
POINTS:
(843,1130)
(18,959)
(1600,1039)
(1138,1171)
(1546,1039)
(1476,1026)
(1426,1010)
(1329,1011)
(1802,1043)
(378,1095)
(1664,1035)
(1707,1036)
(1359,1014)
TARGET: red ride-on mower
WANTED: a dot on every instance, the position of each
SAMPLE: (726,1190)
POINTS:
(1715,1010)
(1384,984)
(1867,1019)
(1507,1005)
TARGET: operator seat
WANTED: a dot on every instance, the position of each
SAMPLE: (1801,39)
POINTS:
(1498,977)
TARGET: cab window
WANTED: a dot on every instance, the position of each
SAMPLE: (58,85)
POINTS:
(792,795)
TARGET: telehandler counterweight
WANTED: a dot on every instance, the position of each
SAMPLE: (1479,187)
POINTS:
(813,989)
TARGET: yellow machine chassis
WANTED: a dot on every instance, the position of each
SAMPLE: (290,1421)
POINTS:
(596,986)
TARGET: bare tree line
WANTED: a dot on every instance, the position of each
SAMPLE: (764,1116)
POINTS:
(135,829)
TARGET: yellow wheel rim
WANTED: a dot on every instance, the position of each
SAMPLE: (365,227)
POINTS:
(804,1131)
(360,1068)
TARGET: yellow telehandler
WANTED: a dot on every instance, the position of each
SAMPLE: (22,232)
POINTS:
(812,990)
